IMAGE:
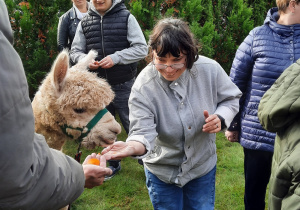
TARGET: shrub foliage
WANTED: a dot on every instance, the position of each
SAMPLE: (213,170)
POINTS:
(218,25)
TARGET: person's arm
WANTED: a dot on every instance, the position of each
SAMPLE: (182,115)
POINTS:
(240,73)
(284,185)
(62,33)
(33,176)
(120,150)
(279,111)
(78,48)
(280,105)
(138,47)
(228,96)
(29,168)
(142,134)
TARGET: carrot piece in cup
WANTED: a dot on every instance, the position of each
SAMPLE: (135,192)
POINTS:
(93,161)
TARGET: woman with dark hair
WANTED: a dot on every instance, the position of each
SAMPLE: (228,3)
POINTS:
(177,105)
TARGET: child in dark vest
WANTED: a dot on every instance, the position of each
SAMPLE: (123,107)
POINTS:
(115,34)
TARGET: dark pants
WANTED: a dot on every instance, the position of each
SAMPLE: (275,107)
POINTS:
(120,105)
(257,168)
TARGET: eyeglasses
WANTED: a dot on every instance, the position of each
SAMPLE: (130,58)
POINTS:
(175,66)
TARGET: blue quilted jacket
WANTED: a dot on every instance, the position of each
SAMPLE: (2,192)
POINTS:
(265,53)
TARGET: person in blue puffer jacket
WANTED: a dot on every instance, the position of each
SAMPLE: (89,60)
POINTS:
(265,53)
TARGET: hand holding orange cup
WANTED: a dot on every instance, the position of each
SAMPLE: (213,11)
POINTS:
(94,161)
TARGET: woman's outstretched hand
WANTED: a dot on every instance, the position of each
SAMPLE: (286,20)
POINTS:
(120,150)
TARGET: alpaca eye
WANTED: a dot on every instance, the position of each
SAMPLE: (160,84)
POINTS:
(79,111)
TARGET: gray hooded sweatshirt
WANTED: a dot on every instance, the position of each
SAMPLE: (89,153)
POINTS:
(33,176)
(138,47)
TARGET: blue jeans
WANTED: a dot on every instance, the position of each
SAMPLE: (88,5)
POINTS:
(198,194)
(120,105)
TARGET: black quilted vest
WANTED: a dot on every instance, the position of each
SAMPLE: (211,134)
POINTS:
(108,36)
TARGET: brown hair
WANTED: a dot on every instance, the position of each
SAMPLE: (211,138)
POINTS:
(283,4)
(173,36)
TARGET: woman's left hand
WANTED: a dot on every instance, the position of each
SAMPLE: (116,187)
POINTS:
(212,123)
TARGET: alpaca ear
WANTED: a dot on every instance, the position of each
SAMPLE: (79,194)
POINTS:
(60,69)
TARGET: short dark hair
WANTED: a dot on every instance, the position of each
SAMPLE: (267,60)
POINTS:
(173,36)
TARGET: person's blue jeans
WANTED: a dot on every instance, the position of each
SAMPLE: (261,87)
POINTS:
(120,105)
(198,194)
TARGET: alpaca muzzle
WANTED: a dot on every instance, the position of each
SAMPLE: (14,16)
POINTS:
(84,131)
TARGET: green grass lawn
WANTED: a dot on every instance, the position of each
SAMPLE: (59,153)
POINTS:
(127,190)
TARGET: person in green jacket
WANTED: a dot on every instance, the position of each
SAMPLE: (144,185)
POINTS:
(279,111)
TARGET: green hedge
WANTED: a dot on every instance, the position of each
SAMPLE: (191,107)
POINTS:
(218,25)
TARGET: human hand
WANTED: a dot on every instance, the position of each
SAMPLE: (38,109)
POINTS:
(94,65)
(122,149)
(95,174)
(212,123)
(232,136)
(106,62)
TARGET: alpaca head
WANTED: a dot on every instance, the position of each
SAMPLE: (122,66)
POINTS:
(72,97)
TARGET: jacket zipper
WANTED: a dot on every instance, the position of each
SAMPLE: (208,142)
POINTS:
(101,24)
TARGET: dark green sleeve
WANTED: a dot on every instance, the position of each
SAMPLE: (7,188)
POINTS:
(280,105)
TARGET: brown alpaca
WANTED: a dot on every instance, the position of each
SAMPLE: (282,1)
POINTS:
(71,97)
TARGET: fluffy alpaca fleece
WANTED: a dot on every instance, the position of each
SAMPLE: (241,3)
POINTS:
(73,96)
